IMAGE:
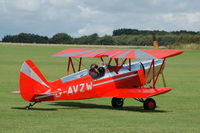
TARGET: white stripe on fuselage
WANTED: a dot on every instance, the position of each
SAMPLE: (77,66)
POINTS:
(132,75)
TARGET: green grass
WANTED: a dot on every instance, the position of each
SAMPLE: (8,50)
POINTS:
(178,111)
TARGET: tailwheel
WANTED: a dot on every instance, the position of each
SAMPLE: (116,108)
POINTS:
(29,106)
(149,104)
(117,102)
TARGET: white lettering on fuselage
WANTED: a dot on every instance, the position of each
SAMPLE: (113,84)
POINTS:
(89,86)
(74,89)
(70,91)
(82,87)
(59,93)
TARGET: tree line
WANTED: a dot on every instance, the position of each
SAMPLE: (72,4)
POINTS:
(119,37)
(125,31)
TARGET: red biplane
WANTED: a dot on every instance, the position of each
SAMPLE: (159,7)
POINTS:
(127,79)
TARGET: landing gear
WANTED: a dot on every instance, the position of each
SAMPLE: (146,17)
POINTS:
(149,104)
(117,102)
(30,105)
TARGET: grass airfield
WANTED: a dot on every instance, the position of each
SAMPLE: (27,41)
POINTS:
(178,110)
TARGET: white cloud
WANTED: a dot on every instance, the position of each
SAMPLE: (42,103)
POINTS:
(26,5)
(169,17)
(90,29)
(156,2)
(60,3)
(3,8)
(181,5)
(87,12)
(193,17)
(188,20)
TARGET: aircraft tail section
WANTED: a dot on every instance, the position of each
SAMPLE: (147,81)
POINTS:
(33,85)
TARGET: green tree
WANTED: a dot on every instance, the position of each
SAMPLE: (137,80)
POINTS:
(106,40)
(25,38)
(91,39)
(61,38)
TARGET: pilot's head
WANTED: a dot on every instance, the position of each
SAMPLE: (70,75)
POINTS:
(93,66)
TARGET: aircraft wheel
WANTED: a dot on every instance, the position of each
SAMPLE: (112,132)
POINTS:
(117,102)
(149,104)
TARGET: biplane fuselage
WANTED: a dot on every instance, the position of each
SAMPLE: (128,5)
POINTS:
(80,85)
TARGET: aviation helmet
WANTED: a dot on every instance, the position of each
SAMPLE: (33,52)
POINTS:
(93,66)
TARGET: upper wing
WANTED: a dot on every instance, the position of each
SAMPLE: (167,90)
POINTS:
(118,53)
(136,92)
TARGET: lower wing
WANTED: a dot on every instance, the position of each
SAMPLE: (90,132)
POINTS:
(136,92)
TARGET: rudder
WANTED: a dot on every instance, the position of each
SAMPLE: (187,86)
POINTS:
(32,82)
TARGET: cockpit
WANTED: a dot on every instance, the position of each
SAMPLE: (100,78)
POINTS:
(96,72)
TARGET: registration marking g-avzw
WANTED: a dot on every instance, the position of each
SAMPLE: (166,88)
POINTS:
(75,89)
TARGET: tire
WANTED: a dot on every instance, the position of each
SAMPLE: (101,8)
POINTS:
(117,102)
(149,104)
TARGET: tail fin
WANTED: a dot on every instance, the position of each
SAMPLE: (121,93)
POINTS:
(32,82)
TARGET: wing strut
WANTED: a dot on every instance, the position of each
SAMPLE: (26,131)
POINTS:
(70,63)
(160,70)
(163,78)
(154,76)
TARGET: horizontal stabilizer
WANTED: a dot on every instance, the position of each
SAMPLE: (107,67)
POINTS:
(16,92)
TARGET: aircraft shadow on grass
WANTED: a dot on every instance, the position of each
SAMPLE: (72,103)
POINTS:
(78,105)
(35,108)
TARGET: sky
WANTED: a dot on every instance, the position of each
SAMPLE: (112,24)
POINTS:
(85,17)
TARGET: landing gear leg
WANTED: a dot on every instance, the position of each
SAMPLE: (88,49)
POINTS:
(140,99)
(30,105)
